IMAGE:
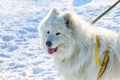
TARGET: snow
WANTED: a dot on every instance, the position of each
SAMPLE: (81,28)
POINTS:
(80,2)
(21,54)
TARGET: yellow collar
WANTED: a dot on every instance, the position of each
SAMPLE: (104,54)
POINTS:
(97,59)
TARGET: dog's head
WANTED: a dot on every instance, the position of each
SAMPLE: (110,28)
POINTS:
(57,35)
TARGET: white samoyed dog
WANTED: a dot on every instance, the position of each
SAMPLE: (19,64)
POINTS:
(72,43)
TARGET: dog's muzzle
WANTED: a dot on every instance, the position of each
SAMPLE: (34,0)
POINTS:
(50,50)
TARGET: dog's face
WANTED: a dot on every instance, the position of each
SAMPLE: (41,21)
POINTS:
(57,36)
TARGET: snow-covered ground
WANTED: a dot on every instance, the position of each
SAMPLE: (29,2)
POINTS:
(21,55)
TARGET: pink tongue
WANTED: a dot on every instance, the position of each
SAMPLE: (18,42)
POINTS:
(51,50)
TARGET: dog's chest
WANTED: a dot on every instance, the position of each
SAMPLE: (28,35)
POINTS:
(75,72)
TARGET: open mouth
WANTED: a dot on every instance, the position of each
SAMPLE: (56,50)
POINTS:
(52,50)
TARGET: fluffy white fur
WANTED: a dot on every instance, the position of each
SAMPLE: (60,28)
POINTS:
(75,55)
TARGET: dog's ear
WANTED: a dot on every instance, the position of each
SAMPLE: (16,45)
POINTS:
(55,11)
(67,18)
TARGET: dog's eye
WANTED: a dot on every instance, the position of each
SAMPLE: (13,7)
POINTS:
(58,33)
(48,32)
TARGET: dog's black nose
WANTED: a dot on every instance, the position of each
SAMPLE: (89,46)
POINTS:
(48,43)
